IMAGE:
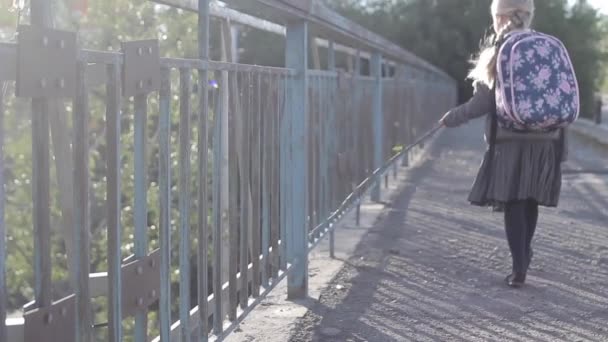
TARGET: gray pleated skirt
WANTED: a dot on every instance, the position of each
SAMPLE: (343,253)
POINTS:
(520,170)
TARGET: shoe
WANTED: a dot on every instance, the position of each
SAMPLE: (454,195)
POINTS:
(515,280)
(498,208)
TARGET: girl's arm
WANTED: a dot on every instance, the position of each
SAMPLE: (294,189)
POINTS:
(479,105)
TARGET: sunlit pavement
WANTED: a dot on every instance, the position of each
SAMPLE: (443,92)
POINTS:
(432,267)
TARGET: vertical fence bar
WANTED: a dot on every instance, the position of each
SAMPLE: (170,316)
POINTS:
(185,80)
(338,106)
(312,155)
(315,144)
(141,200)
(397,115)
(255,185)
(81,206)
(226,55)
(41,198)
(327,208)
(285,154)
(376,70)
(275,176)
(331,66)
(233,194)
(113,203)
(164,152)
(41,14)
(407,112)
(245,193)
(319,148)
(218,209)
(297,234)
(339,140)
(3,254)
(322,151)
(329,86)
(203,228)
(266,131)
(358,166)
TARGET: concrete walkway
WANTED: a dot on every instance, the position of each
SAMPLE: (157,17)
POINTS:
(432,267)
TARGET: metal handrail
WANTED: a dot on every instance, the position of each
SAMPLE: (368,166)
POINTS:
(364,187)
(333,130)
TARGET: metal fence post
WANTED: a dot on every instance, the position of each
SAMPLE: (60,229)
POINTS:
(376,72)
(203,228)
(297,100)
(40,17)
(113,199)
(331,66)
(360,171)
(81,220)
(3,254)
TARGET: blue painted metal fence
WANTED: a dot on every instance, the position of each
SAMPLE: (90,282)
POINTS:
(305,145)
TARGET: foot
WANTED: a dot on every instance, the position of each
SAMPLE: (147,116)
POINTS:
(515,280)
(498,208)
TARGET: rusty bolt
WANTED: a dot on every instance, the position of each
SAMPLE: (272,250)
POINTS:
(48,319)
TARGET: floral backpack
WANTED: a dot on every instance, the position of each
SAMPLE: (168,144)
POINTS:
(536,86)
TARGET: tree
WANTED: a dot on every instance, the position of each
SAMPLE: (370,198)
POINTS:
(448,32)
(106,24)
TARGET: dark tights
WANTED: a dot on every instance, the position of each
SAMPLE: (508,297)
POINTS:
(521,218)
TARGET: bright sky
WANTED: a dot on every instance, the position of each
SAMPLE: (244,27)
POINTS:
(601,4)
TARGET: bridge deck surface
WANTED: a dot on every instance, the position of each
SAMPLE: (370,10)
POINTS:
(432,267)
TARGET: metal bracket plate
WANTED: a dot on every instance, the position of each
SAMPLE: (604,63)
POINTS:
(46,63)
(141,283)
(141,67)
(54,323)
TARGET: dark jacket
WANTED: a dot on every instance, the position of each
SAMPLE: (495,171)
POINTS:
(481,104)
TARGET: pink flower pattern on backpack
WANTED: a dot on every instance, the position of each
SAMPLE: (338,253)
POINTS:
(517,60)
(543,49)
(536,87)
(540,79)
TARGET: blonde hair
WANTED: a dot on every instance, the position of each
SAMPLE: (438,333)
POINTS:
(520,14)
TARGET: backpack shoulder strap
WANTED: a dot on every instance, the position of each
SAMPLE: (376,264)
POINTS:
(491,141)
(493,123)
(493,114)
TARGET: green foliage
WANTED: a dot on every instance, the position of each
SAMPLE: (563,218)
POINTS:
(107,24)
(448,32)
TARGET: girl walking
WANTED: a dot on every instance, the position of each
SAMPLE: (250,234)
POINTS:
(525,85)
